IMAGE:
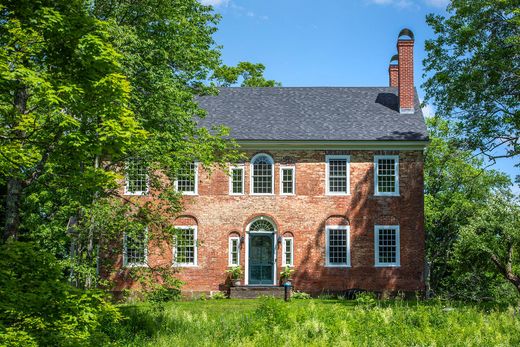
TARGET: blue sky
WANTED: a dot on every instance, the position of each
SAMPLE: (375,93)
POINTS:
(327,42)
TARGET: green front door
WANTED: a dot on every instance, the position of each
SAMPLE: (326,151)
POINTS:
(261,259)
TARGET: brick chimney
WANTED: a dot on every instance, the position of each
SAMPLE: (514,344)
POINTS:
(393,71)
(405,71)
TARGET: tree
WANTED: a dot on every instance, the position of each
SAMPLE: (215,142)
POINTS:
(456,187)
(474,68)
(63,104)
(251,75)
(491,240)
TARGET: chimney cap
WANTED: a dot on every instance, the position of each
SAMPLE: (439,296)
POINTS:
(395,58)
(406,32)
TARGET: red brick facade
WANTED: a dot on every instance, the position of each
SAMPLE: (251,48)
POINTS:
(219,215)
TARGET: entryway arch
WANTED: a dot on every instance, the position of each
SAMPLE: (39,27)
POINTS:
(260,252)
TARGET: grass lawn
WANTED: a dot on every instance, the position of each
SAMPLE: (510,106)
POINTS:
(315,322)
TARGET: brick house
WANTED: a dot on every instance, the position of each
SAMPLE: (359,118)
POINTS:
(333,187)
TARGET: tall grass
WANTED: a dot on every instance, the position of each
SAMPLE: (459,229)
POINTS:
(270,322)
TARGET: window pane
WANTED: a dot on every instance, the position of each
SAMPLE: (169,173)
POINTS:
(387,246)
(185,246)
(262,176)
(288,252)
(234,251)
(386,176)
(338,246)
(186,178)
(338,176)
(135,248)
(237,181)
(136,176)
(287,181)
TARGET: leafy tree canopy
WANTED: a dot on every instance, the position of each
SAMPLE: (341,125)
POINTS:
(474,69)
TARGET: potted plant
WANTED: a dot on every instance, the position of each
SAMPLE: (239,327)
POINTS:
(235,273)
(286,274)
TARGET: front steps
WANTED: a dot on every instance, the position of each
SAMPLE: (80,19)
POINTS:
(252,292)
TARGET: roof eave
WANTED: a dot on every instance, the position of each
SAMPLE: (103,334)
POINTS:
(410,145)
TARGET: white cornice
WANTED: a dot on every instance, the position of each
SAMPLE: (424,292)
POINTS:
(333,145)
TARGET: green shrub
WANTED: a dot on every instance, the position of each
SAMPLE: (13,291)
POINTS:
(300,295)
(366,299)
(219,296)
(38,305)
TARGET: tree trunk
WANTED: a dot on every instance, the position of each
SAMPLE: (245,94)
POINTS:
(12,208)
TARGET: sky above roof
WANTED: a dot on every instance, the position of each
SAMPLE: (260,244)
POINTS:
(328,42)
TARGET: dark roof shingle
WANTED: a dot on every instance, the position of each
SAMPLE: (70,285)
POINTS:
(313,113)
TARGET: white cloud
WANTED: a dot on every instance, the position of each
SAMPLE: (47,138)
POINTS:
(428,111)
(214,2)
(438,3)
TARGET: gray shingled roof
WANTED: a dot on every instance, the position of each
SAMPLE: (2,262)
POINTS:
(313,113)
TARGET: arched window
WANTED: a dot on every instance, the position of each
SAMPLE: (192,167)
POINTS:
(261,225)
(262,172)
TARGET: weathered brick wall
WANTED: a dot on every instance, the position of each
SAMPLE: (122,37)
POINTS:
(304,215)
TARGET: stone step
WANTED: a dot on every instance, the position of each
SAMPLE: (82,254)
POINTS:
(252,292)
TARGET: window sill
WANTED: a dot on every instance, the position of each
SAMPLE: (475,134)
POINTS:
(135,265)
(135,193)
(388,195)
(337,194)
(236,194)
(292,194)
(262,194)
(189,194)
(185,265)
(387,265)
(338,266)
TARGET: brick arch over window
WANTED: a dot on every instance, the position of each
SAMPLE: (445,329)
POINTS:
(386,220)
(288,234)
(185,220)
(234,234)
(336,220)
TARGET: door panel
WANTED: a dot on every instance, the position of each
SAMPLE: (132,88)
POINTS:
(261,259)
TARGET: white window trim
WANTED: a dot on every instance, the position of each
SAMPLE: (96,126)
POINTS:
(398,246)
(196,251)
(137,192)
(327,182)
(376,169)
(288,167)
(196,191)
(230,247)
(237,167)
(284,240)
(251,191)
(327,231)
(125,256)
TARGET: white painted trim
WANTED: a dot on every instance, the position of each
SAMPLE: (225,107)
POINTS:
(327,173)
(327,231)
(196,250)
(376,165)
(137,192)
(284,240)
(287,167)
(196,191)
(251,163)
(230,248)
(275,243)
(376,246)
(396,145)
(237,167)
(125,260)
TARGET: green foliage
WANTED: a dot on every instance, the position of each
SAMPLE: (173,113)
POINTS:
(272,322)
(366,299)
(300,295)
(286,274)
(457,185)
(218,295)
(38,307)
(234,272)
(474,72)
(251,75)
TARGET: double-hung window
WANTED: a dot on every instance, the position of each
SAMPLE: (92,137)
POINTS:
(135,248)
(262,173)
(338,174)
(236,180)
(187,179)
(387,245)
(287,180)
(136,177)
(234,251)
(337,243)
(386,175)
(185,250)
(288,251)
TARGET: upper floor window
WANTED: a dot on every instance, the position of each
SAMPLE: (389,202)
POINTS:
(338,174)
(337,243)
(187,179)
(386,175)
(136,177)
(135,248)
(185,251)
(234,251)
(262,172)
(288,251)
(287,180)
(387,245)
(236,180)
